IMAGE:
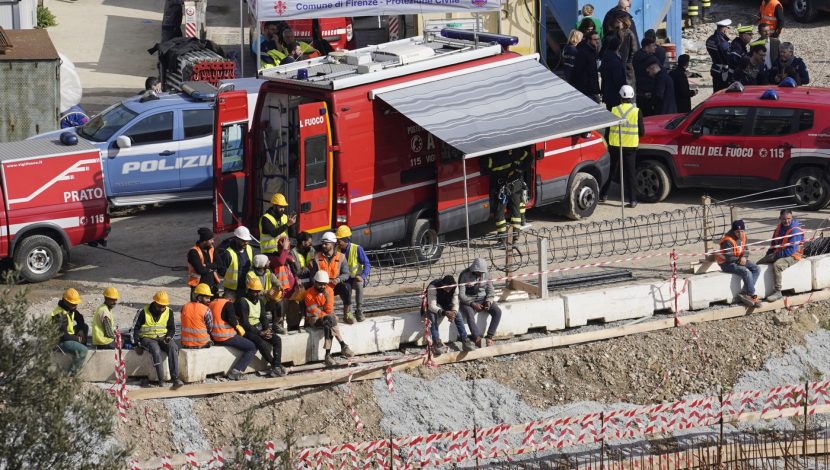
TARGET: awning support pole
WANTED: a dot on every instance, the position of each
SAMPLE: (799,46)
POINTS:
(466,206)
(622,176)
(241,40)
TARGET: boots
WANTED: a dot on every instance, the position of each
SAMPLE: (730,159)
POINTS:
(277,371)
(177,382)
(468,345)
(347,351)
(347,315)
(777,295)
(359,315)
(234,375)
(330,362)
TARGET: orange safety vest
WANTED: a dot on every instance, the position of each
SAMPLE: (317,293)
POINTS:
(282,278)
(194,329)
(333,268)
(784,242)
(317,303)
(193,278)
(768,14)
(737,248)
(221,331)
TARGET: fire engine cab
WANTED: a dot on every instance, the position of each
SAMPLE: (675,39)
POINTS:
(388,140)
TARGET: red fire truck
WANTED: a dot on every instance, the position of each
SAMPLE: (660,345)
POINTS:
(53,199)
(386,139)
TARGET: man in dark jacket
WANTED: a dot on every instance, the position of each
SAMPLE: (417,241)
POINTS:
(739,50)
(755,72)
(613,73)
(171,20)
(786,59)
(682,93)
(732,258)
(251,316)
(662,100)
(585,77)
(645,84)
(72,328)
(201,263)
(717,45)
(659,50)
(442,301)
(620,10)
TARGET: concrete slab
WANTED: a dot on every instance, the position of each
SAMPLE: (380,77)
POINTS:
(710,288)
(618,303)
(100,365)
(413,330)
(820,271)
(197,364)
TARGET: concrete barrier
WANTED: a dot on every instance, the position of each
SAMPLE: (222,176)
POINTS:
(820,271)
(517,318)
(663,297)
(607,305)
(716,287)
(100,365)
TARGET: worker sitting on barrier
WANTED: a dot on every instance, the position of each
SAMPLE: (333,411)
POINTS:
(359,267)
(153,329)
(224,333)
(786,249)
(732,259)
(319,307)
(271,294)
(442,301)
(330,260)
(267,341)
(476,295)
(72,328)
(197,319)
(103,325)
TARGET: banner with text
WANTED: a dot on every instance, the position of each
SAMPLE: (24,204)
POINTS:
(275,10)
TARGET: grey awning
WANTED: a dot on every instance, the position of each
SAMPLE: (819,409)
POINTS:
(497,107)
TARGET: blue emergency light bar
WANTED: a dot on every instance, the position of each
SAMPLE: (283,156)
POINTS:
(501,39)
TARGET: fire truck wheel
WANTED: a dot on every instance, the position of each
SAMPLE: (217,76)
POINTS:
(804,11)
(425,241)
(38,258)
(810,188)
(652,181)
(583,197)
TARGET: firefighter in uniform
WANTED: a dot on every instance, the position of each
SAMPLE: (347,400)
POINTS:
(359,267)
(235,262)
(507,170)
(201,263)
(273,225)
(103,325)
(625,136)
(717,45)
(197,319)
(72,328)
(786,249)
(772,13)
(732,259)
(739,51)
(153,329)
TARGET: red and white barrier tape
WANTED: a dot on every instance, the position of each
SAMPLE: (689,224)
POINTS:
(119,388)
(350,403)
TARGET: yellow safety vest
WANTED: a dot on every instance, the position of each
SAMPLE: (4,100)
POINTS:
(99,335)
(70,321)
(276,55)
(265,279)
(351,258)
(630,130)
(254,312)
(232,273)
(154,329)
(267,243)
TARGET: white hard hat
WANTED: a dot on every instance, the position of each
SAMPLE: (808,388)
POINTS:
(322,277)
(726,22)
(329,237)
(626,91)
(242,233)
(260,261)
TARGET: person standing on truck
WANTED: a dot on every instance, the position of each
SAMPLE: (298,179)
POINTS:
(201,263)
(359,267)
(274,225)
(771,13)
(786,249)
(197,319)
(267,341)
(103,325)
(330,260)
(476,295)
(732,258)
(506,170)
(717,45)
(227,331)
(153,329)
(235,262)
(319,309)
(442,301)
(624,136)
(276,284)
(72,328)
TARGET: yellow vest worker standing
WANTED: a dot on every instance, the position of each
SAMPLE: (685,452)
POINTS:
(153,330)
(359,267)
(235,262)
(72,328)
(625,136)
(103,325)
(273,225)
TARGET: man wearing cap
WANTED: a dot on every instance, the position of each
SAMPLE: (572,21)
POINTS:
(717,45)
(319,308)
(274,225)
(103,325)
(476,295)
(235,262)
(786,249)
(442,301)
(359,267)
(201,263)
(739,50)
(732,258)
(153,329)
(267,341)
(197,319)
(625,136)
(330,260)
(754,72)
(72,328)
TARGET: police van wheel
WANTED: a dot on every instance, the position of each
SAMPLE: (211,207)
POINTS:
(810,188)
(38,258)
(804,11)
(583,197)
(425,241)
(652,182)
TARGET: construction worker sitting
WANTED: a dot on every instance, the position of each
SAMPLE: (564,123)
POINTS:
(786,249)
(201,263)
(271,294)
(507,186)
(197,319)
(359,267)
(153,329)
(442,301)
(273,225)
(301,260)
(235,262)
(267,341)
(103,325)
(732,258)
(330,260)
(476,295)
(228,332)
(319,307)
(72,328)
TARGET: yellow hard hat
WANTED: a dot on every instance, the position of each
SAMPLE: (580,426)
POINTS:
(254,283)
(344,231)
(203,289)
(72,296)
(111,293)
(279,200)
(161,298)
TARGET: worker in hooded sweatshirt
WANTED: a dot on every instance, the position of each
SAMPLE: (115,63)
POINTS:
(153,329)
(103,324)
(72,328)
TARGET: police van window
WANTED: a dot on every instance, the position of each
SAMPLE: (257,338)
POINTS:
(773,121)
(805,121)
(197,122)
(152,129)
(101,127)
(315,162)
(721,121)
(233,148)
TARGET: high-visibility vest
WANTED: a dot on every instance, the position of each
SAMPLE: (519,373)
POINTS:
(193,278)
(154,328)
(333,267)
(265,279)
(355,267)
(99,334)
(194,330)
(221,330)
(303,260)
(783,243)
(630,129)
(70,321)
(276,56)
(254,311)
(768,14)
(737,248)
(282,277)
(232,274)
(316,301)
(267,243)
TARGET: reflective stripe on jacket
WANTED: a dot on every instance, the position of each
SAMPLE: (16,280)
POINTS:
(355,267)
(767,11)
(783,244)
(193,278)
(267,243)
(629,130)
(154,329)
(232,274)
(194,330)
(318,304)
(737,248)
(221,331)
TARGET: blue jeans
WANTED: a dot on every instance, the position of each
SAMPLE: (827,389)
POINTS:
(433,327)
(748,272)
(245,345)
(156,346)
(78,350)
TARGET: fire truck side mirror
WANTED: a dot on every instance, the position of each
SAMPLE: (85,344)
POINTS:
(123,142)
(696,129)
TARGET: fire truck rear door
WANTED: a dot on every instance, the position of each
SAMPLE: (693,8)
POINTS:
(231,165)
(315,185)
